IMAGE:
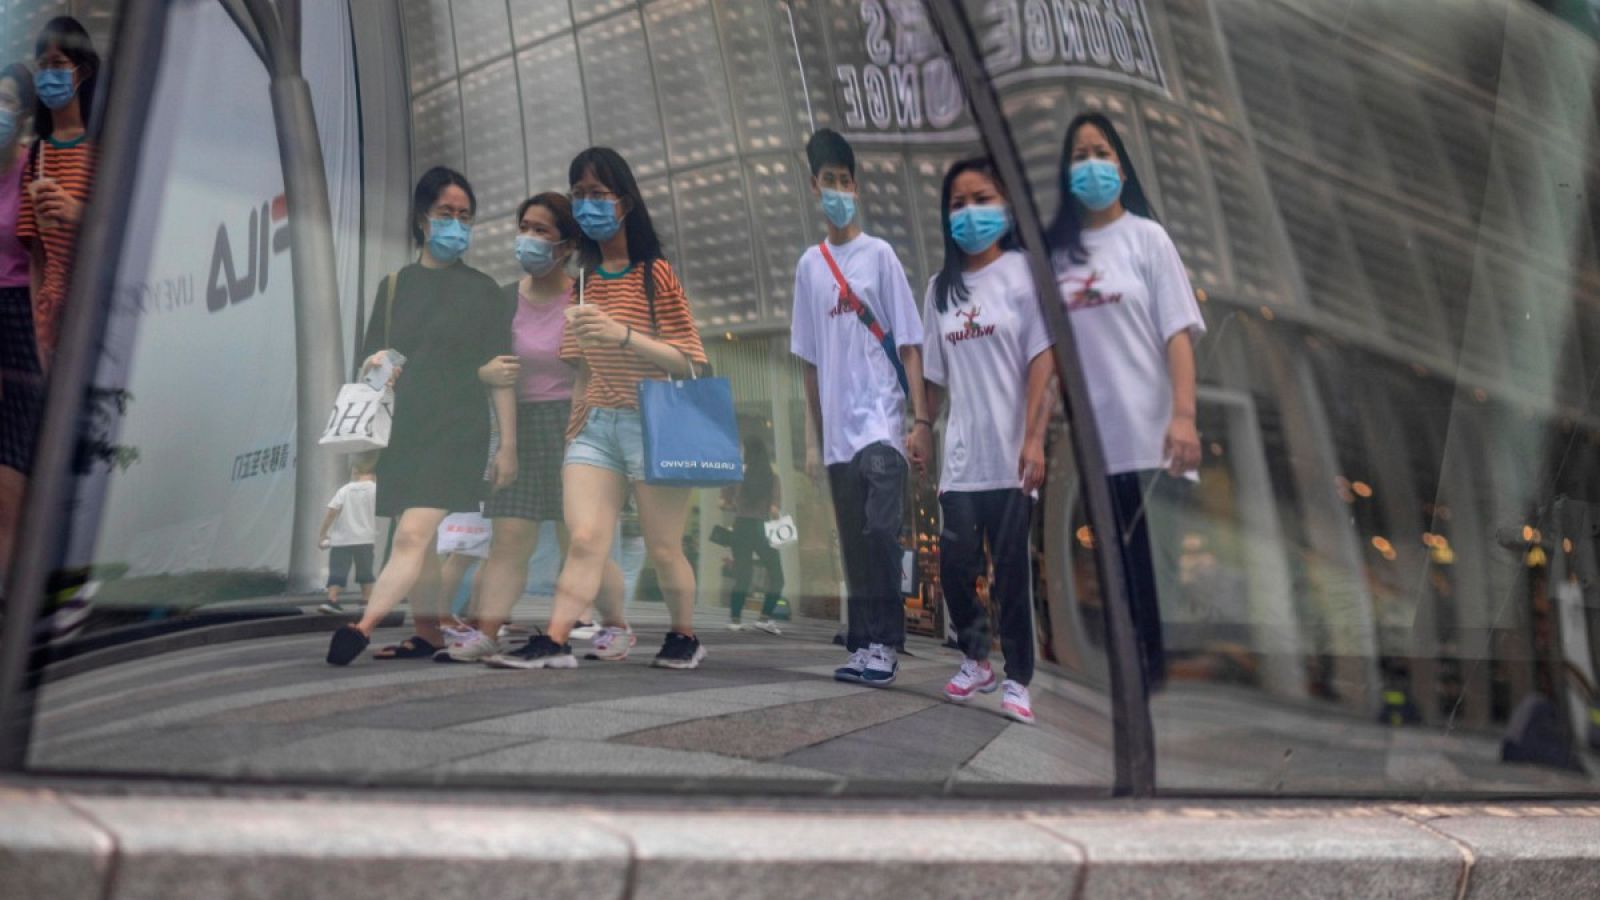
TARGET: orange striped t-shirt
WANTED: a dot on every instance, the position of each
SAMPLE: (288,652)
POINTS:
(614,372)
(71,165)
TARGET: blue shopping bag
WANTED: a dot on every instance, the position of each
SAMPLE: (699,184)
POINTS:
(691,436)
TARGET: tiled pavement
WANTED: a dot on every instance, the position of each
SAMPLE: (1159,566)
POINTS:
(760,708)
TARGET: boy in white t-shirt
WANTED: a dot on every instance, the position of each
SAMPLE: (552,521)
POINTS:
(857,329)
(349,532)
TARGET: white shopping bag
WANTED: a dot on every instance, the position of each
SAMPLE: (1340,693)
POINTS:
(466,533)
(781,532)
(361,419)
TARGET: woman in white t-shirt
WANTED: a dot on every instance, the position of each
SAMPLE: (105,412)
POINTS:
(986,347)
(1134,321)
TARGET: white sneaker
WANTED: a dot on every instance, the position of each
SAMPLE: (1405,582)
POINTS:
(475,649)
(767,625)
(882,666)
(612,644)
(974,678)
(459,635)
(735,626)
(852,671)
(1017,704)
(584,632)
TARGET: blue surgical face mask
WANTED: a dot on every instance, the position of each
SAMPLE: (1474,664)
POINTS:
(976,228)
(839,207)
(54,87)
(597,217)
(1096,183)
(8,126)
(448,239)
(537,255)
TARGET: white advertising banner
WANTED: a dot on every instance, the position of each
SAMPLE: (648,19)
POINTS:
(202,328)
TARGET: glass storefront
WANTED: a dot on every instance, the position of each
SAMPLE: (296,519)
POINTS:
(1385,580)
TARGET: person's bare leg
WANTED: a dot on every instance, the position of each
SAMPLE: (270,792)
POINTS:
(662,512)
(592,501)
(366,593)
(333,595)
(13,485)
(414,540)
(505,572)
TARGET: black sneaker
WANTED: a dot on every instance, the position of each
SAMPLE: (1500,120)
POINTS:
(679,651)
(539,653)
(332,609)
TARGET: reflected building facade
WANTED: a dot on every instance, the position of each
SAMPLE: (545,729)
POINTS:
(1385,208)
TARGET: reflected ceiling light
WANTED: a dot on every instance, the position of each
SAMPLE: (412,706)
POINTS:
(1085,537)
(1361,489)
(1268,314)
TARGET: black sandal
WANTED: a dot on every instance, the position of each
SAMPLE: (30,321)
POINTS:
(346,645)
(414,647)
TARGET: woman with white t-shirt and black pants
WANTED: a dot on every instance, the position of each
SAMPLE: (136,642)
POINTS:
(986,347)
(1134,321)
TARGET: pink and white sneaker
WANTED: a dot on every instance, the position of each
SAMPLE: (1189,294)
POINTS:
(974,678)
(1017,704)
(612,644)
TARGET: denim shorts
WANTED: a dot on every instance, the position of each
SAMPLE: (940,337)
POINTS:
(610,439)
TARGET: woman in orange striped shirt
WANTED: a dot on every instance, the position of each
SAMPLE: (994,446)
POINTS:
(632,323)
(60,169)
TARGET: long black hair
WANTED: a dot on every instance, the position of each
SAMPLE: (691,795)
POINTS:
(429,187)
(1066,232)
(948,285)
(611,170)
(70,37)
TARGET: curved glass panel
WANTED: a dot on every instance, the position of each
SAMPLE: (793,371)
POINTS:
(186,637)
(1383,579)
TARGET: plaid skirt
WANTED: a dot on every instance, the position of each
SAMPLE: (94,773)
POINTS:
(541,444)
(21,381)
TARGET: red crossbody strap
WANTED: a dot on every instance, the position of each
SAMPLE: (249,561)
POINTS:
(849,295)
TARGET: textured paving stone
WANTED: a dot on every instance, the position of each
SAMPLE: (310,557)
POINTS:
(774,731)
(930,745)
(373,750)
(1529,857)
(1371,858)
(589,759)
(48,851)
(754,855)
(242,849)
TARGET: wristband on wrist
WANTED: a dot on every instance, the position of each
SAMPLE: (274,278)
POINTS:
(916,422)
(626,339)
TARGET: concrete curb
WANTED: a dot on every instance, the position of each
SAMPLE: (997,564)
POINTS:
(57,845)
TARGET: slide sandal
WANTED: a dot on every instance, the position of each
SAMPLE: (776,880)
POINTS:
(414,647)
(346,644)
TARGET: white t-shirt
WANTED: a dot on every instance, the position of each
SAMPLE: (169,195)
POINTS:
(1126,302)
(861,400)
(466,533)
(357,522)
(979,350)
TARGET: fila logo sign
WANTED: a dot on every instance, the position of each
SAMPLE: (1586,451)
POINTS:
(267,236)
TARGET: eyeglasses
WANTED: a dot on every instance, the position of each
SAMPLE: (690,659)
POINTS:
(62,64)
(464,216)
(580,194)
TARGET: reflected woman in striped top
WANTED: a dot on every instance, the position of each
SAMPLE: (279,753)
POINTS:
(631,322)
